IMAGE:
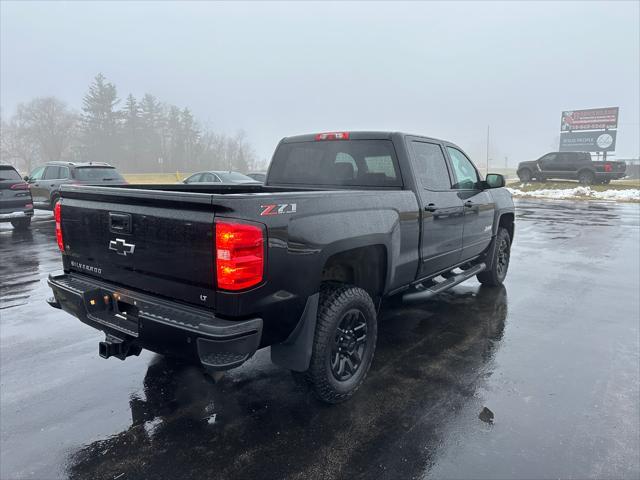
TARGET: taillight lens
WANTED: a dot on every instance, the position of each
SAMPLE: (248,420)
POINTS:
(57,216)
(608,167)
(239,255)
(19,186)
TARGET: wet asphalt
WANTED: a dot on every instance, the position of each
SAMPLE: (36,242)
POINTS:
(538,379)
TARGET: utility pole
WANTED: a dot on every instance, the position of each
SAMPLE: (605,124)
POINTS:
(487,150)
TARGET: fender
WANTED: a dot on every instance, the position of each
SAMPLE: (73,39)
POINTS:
(339,232)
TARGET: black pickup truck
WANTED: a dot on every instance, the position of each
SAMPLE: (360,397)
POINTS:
(573,166)
(300,264)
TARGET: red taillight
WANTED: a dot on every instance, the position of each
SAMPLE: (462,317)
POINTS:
(57,216)
(239,255)
(19,186)
(332,136)
(608,167)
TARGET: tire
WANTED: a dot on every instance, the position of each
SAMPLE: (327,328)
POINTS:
(55,199)
(586,177)
(500,261)
(524,175)
(21,224)
(331,374)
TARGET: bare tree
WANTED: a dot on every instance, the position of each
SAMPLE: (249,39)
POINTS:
(50,125)
(16,145)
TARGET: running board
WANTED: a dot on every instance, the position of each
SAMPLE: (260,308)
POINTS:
(421,295)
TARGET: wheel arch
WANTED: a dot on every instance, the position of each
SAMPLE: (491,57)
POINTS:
(507,221)
(364,266)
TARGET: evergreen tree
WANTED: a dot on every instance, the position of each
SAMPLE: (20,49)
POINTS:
(101,122)
(191,137)
(132,134)
(152,138)
(175,149)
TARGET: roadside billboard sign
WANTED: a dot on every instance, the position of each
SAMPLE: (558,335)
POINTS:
(598,141)
(590,119)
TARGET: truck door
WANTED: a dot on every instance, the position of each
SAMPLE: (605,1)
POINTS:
(549,164)
(442,211)
(53,177)
(567,165)
(578,161)
(478,205)
(37,190)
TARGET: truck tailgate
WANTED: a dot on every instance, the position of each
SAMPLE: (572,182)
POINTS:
(163,247)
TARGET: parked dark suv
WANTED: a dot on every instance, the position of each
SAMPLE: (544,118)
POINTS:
(45,180)
(16,205)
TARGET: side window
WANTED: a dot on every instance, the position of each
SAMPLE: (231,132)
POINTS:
(64,172)
(549,157)
(465,173)
(213,178)
(431,166)
(208,178)
(36,174)
(51,173)
(194,178)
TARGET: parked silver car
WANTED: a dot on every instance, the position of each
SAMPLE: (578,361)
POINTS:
(215,176)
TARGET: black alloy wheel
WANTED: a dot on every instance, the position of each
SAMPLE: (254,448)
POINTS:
(349,345)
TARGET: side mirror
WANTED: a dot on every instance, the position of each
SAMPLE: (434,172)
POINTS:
(26,178)
(495,180)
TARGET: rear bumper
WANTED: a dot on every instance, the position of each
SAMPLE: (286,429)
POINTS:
(150,322)
(7,216)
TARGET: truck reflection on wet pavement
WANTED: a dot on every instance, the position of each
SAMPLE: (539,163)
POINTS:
(535,379)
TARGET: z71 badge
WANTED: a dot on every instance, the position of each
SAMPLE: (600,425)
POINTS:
(278,209)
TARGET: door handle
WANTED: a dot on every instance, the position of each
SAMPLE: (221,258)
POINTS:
(430,208)
(468,204)
(52,185)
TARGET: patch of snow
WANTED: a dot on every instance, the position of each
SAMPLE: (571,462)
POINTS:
(629,194)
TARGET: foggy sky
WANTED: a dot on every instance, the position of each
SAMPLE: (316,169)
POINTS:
(278,69)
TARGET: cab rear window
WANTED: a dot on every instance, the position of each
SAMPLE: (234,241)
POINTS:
(98,174)
(8,173)
(354,163)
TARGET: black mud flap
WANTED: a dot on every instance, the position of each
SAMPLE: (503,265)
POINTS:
(295,352)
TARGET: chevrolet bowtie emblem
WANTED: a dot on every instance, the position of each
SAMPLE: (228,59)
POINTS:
(121,247)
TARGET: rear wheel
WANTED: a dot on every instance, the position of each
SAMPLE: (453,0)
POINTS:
(54,200)
(344,342)
(586,177)
(21,223)
(524,175)
(500,263)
